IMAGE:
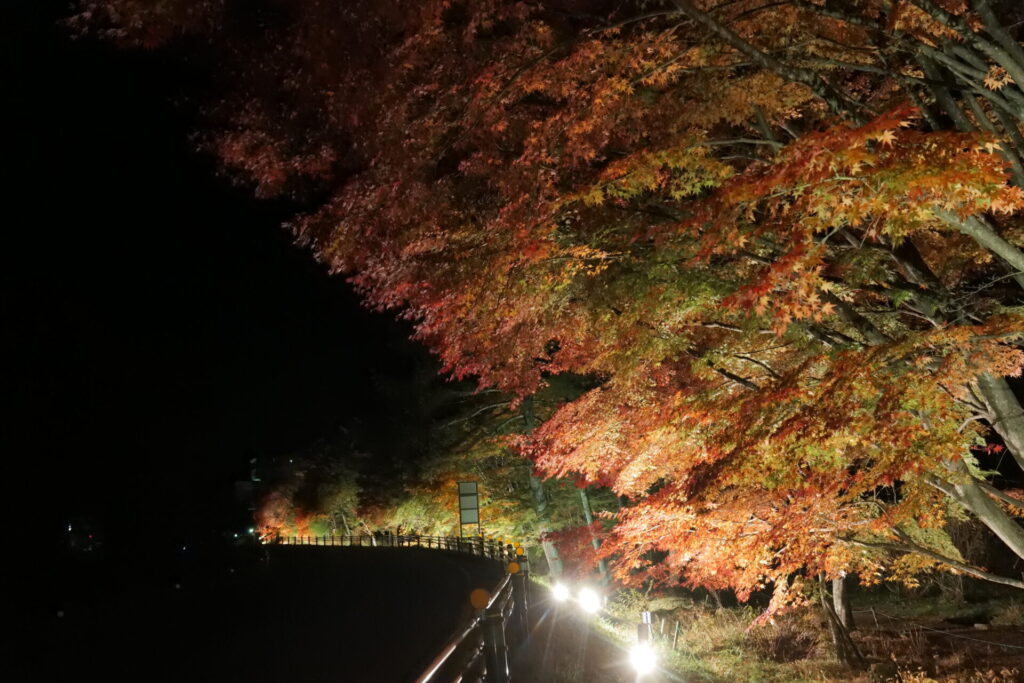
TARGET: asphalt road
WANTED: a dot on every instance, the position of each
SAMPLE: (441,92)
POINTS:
(309,614)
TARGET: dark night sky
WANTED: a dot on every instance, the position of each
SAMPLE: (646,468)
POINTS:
(158,324)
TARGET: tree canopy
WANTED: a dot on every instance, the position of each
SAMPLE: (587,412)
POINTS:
(782,238)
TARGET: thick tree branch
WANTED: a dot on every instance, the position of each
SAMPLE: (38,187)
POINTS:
(996,493)
(994,28)
(910,547)
(987,237)
(867,329)
(767,368)
(990,49)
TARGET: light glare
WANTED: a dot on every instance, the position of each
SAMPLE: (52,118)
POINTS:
(589,600)
(560,591)
(643,658)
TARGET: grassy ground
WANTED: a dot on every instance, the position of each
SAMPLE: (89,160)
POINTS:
(903,638)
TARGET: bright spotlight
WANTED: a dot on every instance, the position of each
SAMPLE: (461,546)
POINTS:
(589,600)
(560,591)
(642,658)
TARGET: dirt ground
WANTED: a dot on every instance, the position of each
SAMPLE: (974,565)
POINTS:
(941,648)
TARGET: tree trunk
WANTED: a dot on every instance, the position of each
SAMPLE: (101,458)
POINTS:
(984,235)
(841,602)
(846,649)
(975,499)
(540,504)
(344,521)
(540,501)
(373,539)
(1007,413)
(588,514)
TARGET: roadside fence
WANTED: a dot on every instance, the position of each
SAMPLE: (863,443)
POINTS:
(479,651)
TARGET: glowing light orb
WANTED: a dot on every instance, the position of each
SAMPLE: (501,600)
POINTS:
(560,591)
(589,600)
(643,658)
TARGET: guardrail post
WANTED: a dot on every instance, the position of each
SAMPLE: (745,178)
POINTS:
(495,650)
(519,614)
(524,562)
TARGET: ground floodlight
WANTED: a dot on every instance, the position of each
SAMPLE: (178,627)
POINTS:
(560,591)
(589,600)
(643,658)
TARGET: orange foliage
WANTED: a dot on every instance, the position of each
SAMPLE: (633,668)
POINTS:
(745,232)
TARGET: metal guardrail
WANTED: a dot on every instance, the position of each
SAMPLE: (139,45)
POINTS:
(479,651)
(473,545)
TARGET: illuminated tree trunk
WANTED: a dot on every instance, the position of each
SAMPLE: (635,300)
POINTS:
(540,504)
(846,650)
(978,501)
(588,514)
(841,602)
(373,539)
(540,501)
(344,521)
(1007,413)
(983,234)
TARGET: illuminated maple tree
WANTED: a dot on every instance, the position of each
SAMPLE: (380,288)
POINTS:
(783,236)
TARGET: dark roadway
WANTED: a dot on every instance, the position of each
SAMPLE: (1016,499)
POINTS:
(309,614)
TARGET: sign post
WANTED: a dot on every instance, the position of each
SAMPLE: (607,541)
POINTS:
(469,507)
